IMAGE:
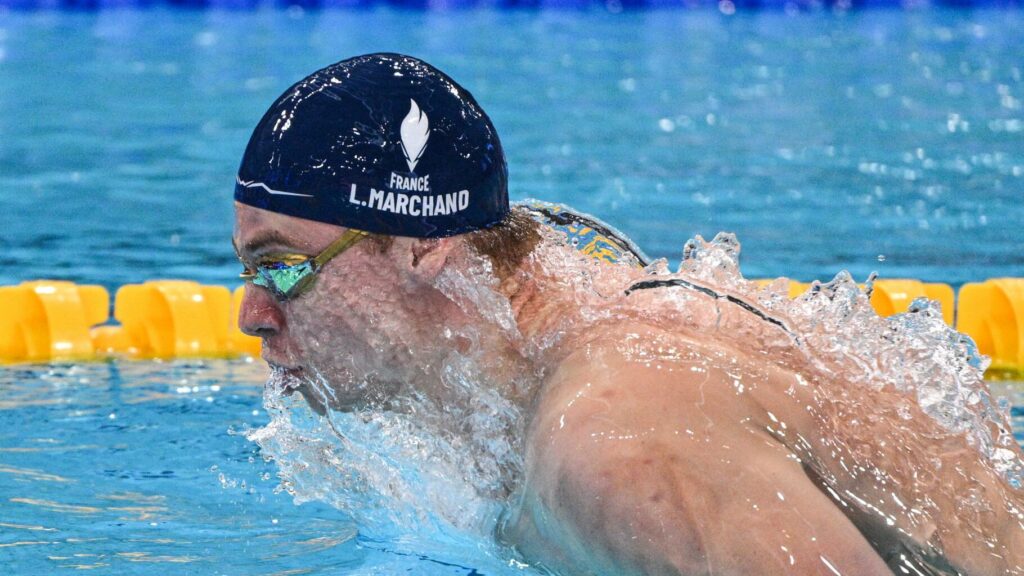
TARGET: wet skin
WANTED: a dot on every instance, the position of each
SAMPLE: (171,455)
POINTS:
(649,450)
(368,325)
(684,472)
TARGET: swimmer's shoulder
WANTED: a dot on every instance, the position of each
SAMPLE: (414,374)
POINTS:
(616,351)
(638,357)
(636,374)
(634,451)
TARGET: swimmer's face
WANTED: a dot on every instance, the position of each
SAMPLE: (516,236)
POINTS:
(356,328)
(328,331)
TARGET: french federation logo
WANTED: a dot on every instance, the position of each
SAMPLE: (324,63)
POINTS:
(415,131)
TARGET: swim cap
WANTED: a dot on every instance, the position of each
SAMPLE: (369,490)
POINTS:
(383,143)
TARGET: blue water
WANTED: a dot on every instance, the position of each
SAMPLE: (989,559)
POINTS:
(824,141)
(136,468)
(875,140)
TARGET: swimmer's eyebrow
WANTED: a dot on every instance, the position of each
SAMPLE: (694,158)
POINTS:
(261,241)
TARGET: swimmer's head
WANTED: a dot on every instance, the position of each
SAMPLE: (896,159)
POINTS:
(388,145)
(383,143)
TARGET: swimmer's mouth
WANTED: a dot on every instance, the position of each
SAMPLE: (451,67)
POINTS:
(291,379)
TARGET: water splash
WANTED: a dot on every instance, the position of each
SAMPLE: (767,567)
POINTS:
(901,406)
(407,476)
(916,353)
(424,471)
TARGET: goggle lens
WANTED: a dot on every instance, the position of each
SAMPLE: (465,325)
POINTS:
(282,279)
(294,275)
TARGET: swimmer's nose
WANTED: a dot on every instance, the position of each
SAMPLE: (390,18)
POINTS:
(259,315)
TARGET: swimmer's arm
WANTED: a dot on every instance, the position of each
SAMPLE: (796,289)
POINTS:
(594,505)
(659,514)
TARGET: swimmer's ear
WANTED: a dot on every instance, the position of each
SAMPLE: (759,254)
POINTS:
(429,255)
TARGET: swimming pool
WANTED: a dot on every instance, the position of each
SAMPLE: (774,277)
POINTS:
(876,140)
(142,468)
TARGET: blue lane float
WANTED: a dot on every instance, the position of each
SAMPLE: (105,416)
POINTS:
(727,6)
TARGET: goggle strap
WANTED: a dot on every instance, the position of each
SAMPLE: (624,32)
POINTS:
(348,239)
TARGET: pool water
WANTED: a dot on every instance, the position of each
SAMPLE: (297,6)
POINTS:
(874,140)
(141,468)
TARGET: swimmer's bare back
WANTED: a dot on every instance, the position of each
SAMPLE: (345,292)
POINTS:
(656,454)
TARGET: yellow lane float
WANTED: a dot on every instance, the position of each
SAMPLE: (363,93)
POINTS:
(49,320)
(992,313)
(174,318)
(894,296)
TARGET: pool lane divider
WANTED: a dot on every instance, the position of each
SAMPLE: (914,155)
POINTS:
(49,320)
(46,321)
(992,313)
(43,320)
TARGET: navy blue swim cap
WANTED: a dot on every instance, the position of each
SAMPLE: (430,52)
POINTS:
(383,143)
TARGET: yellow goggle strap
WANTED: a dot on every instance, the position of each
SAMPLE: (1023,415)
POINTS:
(346,241)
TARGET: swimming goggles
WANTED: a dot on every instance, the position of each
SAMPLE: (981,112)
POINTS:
(288,276)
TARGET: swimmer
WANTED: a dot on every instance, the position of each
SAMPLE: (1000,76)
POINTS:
(374,227)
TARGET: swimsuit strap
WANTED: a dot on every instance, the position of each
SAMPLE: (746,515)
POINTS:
(587,233)
(648,284)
